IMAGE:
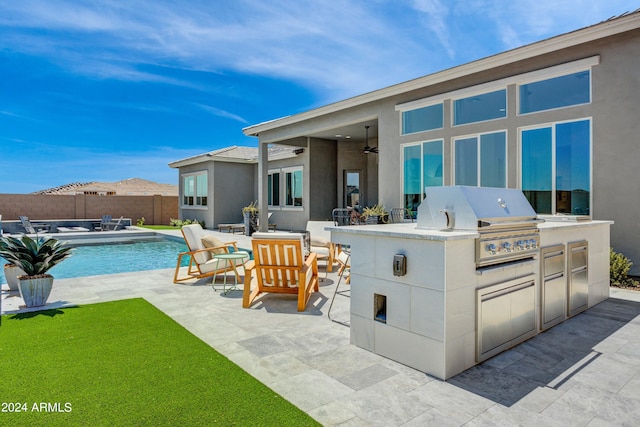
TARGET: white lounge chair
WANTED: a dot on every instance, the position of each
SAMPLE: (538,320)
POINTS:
(202,246)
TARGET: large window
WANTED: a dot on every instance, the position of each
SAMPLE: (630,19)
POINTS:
(423,119)
(479,108)
(293,187)
(422,167)
(558,92)
(194,189)
(556,167)
(273,188)
(481,160)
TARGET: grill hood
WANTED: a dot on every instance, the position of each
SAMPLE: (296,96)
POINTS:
(474,208)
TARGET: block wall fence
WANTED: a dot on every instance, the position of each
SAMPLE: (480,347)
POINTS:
(156,210)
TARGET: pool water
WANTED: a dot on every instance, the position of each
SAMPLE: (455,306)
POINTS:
(117,258)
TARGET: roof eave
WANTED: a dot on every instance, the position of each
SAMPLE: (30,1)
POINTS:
(563,41)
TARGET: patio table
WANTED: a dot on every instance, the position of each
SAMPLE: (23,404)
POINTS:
(232,257)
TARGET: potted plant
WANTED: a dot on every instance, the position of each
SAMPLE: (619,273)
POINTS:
(35,257)
(374,214)
(250,215)
(11,273)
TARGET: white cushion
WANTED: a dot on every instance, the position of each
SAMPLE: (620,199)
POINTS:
(211,241)
(193,234)
(319,236)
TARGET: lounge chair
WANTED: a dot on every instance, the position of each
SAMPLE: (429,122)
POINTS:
(34,227)
(321,242)
(202,246)
(280,267)
(108,225)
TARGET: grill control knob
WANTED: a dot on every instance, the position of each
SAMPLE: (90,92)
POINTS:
(506,246)
(519,245)
(533,243)
(492,248)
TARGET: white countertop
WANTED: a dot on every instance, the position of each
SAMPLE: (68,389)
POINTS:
(404,231)
(409,230)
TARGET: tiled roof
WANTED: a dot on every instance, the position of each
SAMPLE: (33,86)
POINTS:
(126,187)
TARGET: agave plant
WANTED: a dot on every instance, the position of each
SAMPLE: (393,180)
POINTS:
(34,257)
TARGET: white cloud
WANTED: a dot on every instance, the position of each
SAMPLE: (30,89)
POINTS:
(221,113)
(342,47)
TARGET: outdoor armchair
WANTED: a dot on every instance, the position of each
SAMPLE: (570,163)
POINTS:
(202,246)
(280,266)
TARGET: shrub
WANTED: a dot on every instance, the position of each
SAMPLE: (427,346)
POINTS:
(619,266)
(140,222)
(179,222)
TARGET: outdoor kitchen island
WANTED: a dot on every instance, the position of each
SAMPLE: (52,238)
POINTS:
(420,297)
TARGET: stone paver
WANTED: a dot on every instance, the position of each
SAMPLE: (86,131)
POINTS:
(585,371)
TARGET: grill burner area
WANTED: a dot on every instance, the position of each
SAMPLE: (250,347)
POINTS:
(503,216)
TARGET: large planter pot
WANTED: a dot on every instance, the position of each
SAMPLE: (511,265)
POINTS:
(11,273)
(372,219)
(35,290)
(250,223)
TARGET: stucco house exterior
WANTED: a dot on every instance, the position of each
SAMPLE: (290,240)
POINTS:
(558,119)
(215,186)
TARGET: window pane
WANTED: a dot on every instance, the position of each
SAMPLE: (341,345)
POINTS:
(289,188)
(276,189)
(493,160)
(558,92)
(293,182)
(573,168)
(189,190)
(422,119)
(201,189)
(412,186)
(480,107)
(432,164)
(536,168)
(466,161)
(297,188)
(269,190)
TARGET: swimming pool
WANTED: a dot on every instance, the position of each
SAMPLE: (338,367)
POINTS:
(117,257)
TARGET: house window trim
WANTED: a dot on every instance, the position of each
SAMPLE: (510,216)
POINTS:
(524,78)
(549,77)
(553,125)
(479,158)
(472,94)
(402,112)
(402,162)
(271,172)
(194,174)
(283,193)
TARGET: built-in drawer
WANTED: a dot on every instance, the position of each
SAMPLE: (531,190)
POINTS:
(553,287)
(506,315)
(578,271)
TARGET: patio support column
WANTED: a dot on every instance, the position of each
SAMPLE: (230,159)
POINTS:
(263,172)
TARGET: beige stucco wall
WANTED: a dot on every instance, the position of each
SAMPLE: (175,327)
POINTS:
(156,210)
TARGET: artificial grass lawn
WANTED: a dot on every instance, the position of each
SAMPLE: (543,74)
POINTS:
(125,363)
(159,227)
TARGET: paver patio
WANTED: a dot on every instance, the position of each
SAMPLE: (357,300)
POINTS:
(585,371)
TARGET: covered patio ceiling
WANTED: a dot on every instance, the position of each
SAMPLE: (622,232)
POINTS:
(354,131)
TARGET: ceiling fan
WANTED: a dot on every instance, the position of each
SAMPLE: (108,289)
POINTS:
(367,149)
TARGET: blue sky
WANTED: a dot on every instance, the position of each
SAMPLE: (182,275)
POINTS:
(106,90)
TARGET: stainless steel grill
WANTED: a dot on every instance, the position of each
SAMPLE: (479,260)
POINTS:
(503,216)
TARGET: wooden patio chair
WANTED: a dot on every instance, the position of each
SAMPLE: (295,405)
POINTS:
(202,246)
(280,267)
